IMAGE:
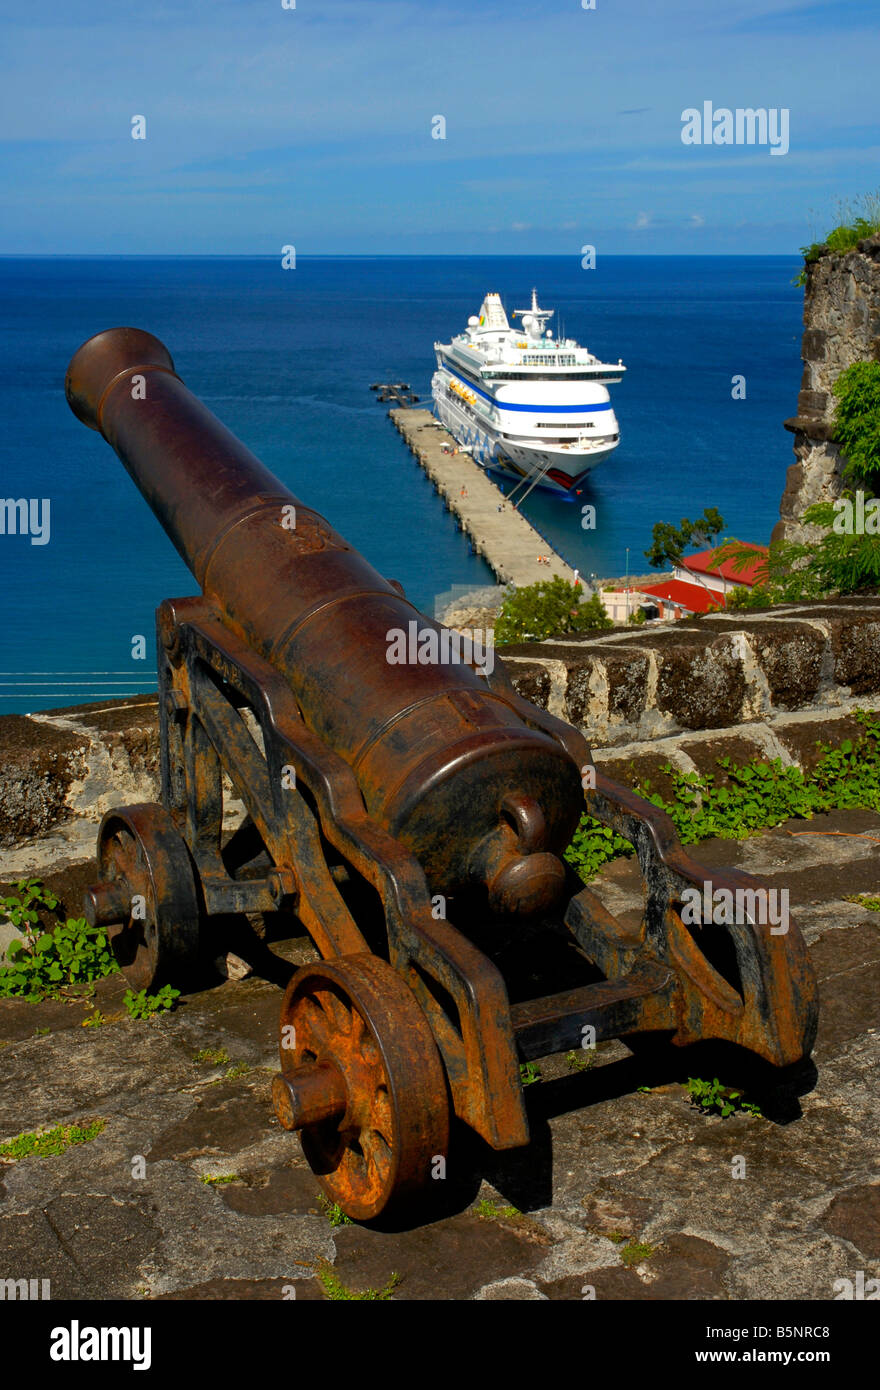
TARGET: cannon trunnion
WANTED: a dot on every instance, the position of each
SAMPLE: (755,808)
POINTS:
(404,812)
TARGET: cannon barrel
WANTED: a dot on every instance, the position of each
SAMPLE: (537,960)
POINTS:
(443,761)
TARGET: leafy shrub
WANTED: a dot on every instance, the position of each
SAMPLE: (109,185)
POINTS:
(754,796)
(797,572)
(44,963)
(550,608)
(759,596)
(857,420)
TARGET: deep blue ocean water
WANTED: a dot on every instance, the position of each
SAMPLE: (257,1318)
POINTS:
(285,359)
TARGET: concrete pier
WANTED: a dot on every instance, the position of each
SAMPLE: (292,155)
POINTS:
(507,542)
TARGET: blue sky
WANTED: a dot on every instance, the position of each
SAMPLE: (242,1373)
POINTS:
(312,126)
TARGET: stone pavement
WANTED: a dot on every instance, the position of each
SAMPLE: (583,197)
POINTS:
(624,1191)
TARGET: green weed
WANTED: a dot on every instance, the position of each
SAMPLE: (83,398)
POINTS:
(750,797)
(45,1142)
(237,1070)
(636,1252)
(338,1292)
(44,963)
(333,1212)
(580,1059)
(529,1073)
(142,1005)
(488,1210)
(211,1057)
(711,1095)
(864,900)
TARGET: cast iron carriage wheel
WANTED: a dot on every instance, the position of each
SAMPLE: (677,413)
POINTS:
(141,853)
(362,1038)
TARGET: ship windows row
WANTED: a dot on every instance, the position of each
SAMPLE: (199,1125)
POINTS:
(536,376)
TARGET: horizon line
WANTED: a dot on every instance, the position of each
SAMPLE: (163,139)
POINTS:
(383,255)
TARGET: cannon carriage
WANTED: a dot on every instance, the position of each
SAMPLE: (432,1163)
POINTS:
(405,813)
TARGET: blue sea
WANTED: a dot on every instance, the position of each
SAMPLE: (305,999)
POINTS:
(286,358)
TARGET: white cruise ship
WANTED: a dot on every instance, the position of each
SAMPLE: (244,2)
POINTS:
(524,402)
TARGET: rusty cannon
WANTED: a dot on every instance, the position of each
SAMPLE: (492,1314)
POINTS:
(412,813)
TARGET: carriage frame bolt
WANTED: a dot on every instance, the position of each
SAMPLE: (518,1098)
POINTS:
(282,884)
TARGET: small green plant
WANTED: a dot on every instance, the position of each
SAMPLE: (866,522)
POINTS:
(488,1210)
(864,900)
(750,797)
(338,1292)
(333,1212)
(22,907)
(618,1237)
(636,1252)
(42,1032)
(218,1179)
(142,1005)
(44,963)
(43,1143)
(711,1095)
(529,1073)
(211,1057)
(580,1059)
(593,845)
(549,608)
(238,1069)
(94,1020)
(855,222)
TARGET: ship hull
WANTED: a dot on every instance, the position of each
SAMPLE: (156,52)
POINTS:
(558,469)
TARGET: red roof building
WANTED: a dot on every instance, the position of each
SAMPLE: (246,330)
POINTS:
(724,576)
(678,597)
(695,586)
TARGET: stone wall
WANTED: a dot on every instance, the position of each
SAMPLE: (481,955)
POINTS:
(841,326)
(762,685)
(60,771)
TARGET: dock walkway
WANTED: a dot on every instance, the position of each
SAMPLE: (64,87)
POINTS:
(507,542)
